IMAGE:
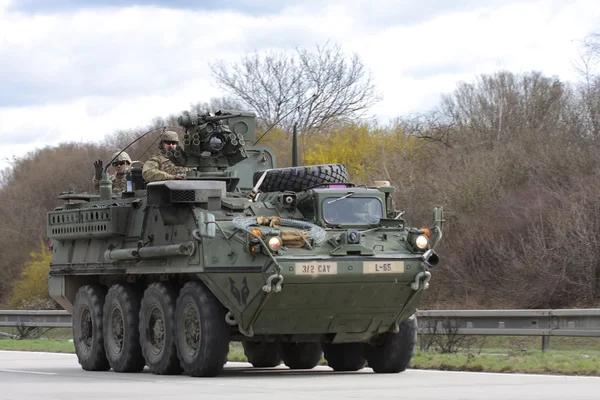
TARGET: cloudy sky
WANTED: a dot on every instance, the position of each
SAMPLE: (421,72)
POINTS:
(77,70)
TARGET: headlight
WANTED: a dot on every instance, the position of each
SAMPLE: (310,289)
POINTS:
(421,242)
(274,243)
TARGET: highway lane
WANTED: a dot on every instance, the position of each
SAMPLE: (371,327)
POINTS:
(29,375)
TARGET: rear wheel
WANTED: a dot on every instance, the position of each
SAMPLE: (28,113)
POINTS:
(262,354)
(392,352)
(202,335)
(344,356)
(121,329)
(301,355)
(157,329)
(87,328)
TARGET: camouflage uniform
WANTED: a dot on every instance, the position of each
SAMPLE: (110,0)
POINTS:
(119,180)
(160,168)
(119,183)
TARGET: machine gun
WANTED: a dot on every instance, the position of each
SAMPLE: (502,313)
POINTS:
(212,143)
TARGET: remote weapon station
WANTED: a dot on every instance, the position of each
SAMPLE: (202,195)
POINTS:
(295,263)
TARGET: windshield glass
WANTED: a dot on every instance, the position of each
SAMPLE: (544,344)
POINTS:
(352,210)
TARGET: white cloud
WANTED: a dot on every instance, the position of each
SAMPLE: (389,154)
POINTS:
(80,74)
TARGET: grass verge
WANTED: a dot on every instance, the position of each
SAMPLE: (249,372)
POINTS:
(49,345)
(563,362)
(559,363)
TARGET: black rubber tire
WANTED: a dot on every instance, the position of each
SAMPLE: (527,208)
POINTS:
(159,301)
(87,319)
(205,353)
(262,354)
(120,327)
(344,356)
(301,355)
(297,179)
(393,355)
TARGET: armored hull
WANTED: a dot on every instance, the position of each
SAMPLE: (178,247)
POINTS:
(168,274)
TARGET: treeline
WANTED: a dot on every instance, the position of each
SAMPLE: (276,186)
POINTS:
(514,159)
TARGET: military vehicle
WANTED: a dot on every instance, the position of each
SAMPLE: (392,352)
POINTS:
(295,263)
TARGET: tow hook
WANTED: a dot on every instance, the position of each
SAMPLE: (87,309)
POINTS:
(421,281)
(268,287)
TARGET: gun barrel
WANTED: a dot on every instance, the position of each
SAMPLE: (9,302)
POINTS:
(209,118)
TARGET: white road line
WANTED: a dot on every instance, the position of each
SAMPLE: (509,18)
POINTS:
(46,353)
(28,372)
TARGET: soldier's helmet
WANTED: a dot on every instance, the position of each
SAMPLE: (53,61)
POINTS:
(121,157)
(169,136)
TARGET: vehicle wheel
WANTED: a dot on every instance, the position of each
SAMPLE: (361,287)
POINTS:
(395,350)
(262,354)
(87,328)
(301,355)
(121,329)
(202,335)
(344,356)
(300,178)
(157,329)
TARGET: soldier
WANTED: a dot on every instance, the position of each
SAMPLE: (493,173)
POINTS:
(122,164)
(159,167)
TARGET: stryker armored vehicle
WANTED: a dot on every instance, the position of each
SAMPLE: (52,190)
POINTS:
(295,263)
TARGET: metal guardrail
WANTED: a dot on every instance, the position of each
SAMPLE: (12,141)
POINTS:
(544,323)
(568,322)
(35,318)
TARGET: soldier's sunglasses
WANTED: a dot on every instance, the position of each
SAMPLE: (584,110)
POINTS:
(119,163)
(170,142)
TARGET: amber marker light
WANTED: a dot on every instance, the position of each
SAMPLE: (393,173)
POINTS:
(257,232)
(426,232)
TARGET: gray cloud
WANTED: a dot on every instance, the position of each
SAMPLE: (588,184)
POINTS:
(123,60)
(448,67)
(252,7)
(370,14)
(84,68)
(384,13)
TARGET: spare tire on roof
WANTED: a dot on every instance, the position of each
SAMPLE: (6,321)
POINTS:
(297,179)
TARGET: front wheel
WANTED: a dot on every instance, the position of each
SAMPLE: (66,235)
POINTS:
(201,332)
(393,351)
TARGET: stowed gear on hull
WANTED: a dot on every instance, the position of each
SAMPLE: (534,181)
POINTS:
(295,263)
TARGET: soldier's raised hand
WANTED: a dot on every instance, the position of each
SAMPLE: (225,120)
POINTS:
(98,168)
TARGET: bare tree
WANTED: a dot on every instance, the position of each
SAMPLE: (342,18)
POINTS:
(31,189)
(505,106)
(314,89)
(589,88)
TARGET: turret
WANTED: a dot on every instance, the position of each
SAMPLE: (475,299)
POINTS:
(214,143)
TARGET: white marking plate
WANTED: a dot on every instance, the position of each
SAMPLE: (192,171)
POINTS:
(316,268)
(383,267)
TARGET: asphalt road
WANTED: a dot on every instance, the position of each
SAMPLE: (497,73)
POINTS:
(28,376)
